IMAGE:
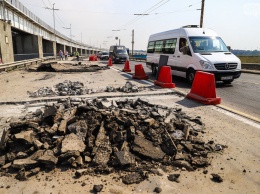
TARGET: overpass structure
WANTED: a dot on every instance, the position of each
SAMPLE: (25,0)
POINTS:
(24,36)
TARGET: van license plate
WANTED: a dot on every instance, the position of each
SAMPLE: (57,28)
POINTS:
(227,78)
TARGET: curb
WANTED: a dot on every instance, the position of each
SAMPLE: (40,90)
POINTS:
(250,71)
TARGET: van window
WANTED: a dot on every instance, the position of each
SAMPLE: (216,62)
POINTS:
(158,46)
(207,44)
(170,46)
(182,44)
(150,48)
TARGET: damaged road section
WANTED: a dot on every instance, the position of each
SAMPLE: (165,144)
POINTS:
(69,88)
(102,137)
(54,66)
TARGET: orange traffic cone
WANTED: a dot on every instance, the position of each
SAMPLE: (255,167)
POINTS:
(126,67)
(110,62)
(165,78)
(203,89)
(91,58)
(139,72)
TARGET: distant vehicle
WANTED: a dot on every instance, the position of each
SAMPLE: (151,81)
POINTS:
(104,55)
(99,54)
(192,49)
(118,53)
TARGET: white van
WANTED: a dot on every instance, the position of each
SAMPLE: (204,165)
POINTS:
(190,49)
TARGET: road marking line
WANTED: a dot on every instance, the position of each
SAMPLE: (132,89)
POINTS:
(239,113)
(248,82)
(238,117)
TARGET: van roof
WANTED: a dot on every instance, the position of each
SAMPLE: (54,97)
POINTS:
(182,32)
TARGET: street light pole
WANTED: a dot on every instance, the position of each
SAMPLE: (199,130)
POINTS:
(202,13)
(53,9)
(133,42)
(70,31)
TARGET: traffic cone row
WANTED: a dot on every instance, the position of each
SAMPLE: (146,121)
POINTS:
(126,67)
(203,88)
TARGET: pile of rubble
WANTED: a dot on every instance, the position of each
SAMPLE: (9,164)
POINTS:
(69,88)
(42,92)
(101,136)
(127,88)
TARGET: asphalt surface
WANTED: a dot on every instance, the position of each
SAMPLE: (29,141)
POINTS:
(242,96)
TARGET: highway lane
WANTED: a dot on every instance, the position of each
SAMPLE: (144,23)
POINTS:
(243,95)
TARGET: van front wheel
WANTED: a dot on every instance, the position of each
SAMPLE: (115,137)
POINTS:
(190,75)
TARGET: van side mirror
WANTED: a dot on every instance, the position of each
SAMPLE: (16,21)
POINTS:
(229,48)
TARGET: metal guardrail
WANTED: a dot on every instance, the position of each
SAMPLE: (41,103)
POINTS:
(14,65)
(138,57)
(251,66)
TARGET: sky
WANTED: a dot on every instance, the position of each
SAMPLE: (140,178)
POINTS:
(99,22)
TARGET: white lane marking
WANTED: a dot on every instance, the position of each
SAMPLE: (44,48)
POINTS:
(248,82)
(147,82)
(238,117)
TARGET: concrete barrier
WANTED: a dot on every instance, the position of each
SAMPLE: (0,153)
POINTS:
(251,66)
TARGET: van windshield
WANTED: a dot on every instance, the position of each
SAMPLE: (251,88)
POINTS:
(207,44)
(121,52)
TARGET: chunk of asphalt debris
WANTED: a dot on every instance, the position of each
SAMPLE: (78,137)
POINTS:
(183,164)
(2,161)
(80,172)
(146,148)
(157,190)
(25,136)
(48,159)
(124,158)
(216,178)
(174,178)
(72,142)
(97,188)
(135,177)
(50,111)
(21,175)
(24,163)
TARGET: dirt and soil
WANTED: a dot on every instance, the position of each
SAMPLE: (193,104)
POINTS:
(235,170)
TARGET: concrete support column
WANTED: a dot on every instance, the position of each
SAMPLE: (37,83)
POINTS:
(54,49)
(6,43)
(40,47)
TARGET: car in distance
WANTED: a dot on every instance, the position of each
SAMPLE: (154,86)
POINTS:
(104,56)
(118,53)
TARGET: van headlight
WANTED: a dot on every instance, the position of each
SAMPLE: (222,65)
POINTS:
(206,65)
